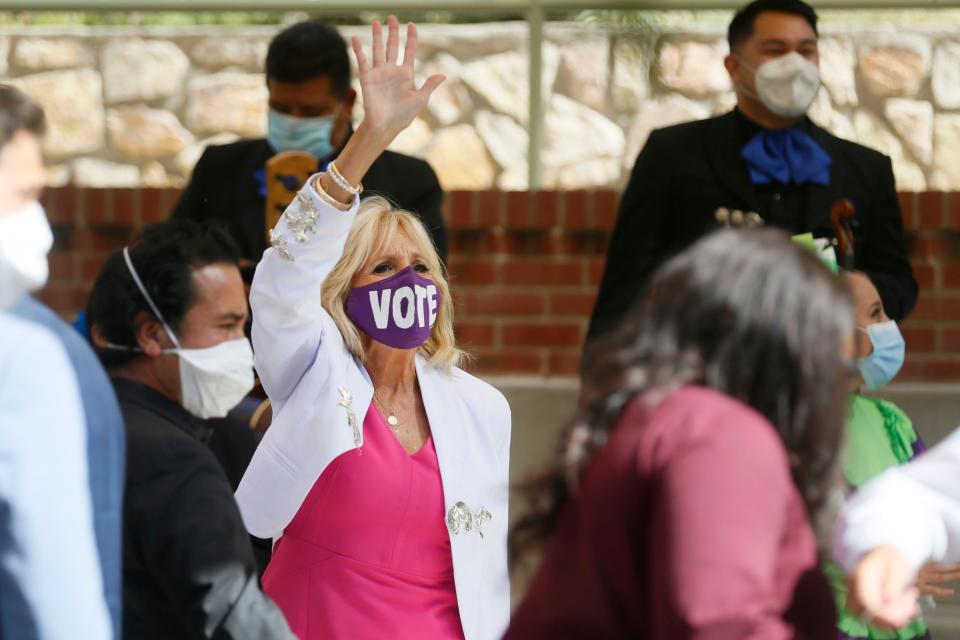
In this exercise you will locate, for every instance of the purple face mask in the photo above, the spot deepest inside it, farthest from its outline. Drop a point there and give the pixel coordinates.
(398, 311)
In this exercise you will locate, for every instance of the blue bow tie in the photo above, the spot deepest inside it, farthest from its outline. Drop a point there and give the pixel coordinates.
(786, 156)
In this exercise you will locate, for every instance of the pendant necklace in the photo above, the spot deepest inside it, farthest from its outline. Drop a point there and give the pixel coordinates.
(392, 419)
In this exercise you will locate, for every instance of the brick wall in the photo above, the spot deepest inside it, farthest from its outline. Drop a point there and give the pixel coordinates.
(525, 267)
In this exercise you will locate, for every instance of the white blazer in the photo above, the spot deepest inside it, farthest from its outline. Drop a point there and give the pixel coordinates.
(320, 394)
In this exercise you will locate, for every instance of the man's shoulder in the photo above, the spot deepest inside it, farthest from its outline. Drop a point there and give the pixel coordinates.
(391, 163)
(234, 152)
(23, 337)
(36, 312)
(855, 151)
(691, 129)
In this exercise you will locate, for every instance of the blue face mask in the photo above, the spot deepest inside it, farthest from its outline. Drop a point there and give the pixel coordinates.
(290, 133)
(881, 366)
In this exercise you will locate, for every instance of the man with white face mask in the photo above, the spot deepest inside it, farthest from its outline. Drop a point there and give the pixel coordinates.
(765, 162)
(167, 317)
(50, 580)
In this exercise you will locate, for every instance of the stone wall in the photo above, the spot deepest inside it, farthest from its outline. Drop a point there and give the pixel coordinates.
(134, 106)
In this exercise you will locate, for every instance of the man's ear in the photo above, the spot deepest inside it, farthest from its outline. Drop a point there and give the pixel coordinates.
(150, 335)
(349, 101)
(732, 65)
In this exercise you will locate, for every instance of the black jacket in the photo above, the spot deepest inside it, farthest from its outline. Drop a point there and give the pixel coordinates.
(685, 172)
(225, 187)
(188, 570)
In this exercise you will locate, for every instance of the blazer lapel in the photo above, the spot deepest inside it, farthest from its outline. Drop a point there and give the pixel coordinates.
(447, 427)
(820, 199)
(451, 437)
(722, 145)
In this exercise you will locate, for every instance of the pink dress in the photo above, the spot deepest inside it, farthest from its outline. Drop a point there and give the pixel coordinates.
(368, 554)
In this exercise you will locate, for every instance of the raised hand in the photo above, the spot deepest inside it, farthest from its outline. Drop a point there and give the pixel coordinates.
(880, 591)
(391, 99)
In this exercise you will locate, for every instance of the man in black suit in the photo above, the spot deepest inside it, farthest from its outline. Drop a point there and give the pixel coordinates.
(311, 107)
(765, 157)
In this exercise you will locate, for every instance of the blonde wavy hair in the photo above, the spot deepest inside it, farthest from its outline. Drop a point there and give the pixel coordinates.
(376, 224)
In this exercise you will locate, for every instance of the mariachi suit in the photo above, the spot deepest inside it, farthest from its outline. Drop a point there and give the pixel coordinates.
(320, 394)
(686, 172)
(228, 185)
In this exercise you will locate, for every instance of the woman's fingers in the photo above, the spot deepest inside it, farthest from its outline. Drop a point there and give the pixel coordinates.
(430, 85)
(358, 52)
(930, 590)
(379, 53)
(393, 39)
(410, 51)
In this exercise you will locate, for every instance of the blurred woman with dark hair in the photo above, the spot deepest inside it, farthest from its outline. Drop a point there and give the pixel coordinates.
(707, 442)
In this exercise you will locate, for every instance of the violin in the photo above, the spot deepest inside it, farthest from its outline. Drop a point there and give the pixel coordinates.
(842, 216)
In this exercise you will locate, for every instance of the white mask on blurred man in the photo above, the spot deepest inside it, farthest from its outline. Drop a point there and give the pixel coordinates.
(25, 241)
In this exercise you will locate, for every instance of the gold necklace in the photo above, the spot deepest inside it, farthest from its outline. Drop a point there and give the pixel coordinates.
(392, 419)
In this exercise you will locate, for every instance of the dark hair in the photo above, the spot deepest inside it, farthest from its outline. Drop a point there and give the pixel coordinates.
(741, 27)
(164, 256)
(309, 50)
(18, 113)
(746, 313)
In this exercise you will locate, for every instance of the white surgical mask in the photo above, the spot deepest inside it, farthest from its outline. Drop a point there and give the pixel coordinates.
(213, 380)
(25, 241)
(786, 85)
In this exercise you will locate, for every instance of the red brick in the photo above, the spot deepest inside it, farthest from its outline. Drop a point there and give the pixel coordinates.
(62, 267)
(577, 303)
(564, 363)
(934, 245)
(542, 272)
(922, 338)
(930, 209)
(928, 369)
(61, 204)
(64, 299)
(471, 271)
(567, 243)
(96, 206)
(126, 206)
(510, 361)
(521, 243)
(547, 204)
(502, 302)
(153, 206)
(576, 210)
(462, 214)
(100, 238)
(605, 209)
(489, 208)
(517, 334)
(471, 333)
(925, 274)
(595, 270)
(953, 211)
(91, 265)
(520, 212)
(907, 201)
(950, 337)
(951, 275)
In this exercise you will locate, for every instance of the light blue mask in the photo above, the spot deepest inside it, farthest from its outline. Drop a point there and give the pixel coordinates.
(881, 366)
(290, 133)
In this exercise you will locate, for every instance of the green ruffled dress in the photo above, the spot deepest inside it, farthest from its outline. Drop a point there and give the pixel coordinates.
(878, 436)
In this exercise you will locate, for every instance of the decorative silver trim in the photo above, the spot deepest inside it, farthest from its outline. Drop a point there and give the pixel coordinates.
(346, 401)
(460, 515)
